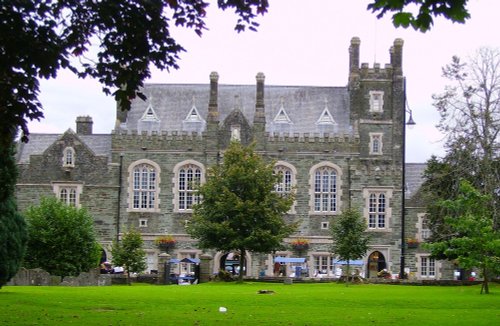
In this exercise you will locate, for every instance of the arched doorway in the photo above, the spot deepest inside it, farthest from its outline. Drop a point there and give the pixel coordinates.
(104, 256)
(230, 262)
(376, 263)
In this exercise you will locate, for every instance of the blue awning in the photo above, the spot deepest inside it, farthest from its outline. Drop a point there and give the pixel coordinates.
(174, 261)
(289, 260)
(351, 262)
(190, 260)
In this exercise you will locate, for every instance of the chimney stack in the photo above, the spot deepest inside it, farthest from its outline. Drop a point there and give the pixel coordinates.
(84, 125)
(213, 111)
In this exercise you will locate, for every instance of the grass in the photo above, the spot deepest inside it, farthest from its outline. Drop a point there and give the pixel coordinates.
(297, 304)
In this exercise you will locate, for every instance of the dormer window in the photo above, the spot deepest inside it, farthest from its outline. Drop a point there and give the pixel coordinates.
(377, 101)
(236, 133)
(149, 114)
(69, 157)
(376, 143)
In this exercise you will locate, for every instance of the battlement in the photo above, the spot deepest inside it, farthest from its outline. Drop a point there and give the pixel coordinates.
(312, 138)
(364, 71)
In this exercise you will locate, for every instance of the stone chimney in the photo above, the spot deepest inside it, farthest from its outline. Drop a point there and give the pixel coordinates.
(213, 110)
(260, 114)
(84, 125)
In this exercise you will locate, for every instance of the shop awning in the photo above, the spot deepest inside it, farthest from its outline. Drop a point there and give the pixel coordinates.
(351, 262)
(190, 260)
(289, 260)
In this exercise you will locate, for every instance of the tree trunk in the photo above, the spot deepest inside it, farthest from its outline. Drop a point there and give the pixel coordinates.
(485, 286)
(242, 261)
(348, 272)
(128, 278)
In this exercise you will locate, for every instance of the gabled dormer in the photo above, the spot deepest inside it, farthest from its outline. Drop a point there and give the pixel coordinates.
(326, 124)
(193, 122)
(149, 121)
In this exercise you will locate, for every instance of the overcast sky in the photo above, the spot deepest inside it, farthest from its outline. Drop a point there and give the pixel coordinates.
(298, 43)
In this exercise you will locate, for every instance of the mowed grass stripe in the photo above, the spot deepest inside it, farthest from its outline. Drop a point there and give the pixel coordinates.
(297, 304)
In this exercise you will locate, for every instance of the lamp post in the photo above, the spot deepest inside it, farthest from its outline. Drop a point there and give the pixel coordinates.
(409, 123)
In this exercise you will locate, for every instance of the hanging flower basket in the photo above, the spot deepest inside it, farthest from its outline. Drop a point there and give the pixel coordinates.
(165, 242)
(412, 243)
(300, 244)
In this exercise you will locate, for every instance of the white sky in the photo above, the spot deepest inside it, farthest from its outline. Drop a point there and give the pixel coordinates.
(298, 43)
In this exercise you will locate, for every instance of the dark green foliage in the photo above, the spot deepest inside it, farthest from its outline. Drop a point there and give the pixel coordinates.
(61, 239)
(240, 209)
(129, 253)
(454, 10)
(350, 240)
(13, 234)
(469, 111)
(37, 38)
(474, 242)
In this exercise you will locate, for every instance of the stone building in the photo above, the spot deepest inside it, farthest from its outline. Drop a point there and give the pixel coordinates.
(336, 146)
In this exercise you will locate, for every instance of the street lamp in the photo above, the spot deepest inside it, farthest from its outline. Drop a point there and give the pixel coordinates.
(410, 123)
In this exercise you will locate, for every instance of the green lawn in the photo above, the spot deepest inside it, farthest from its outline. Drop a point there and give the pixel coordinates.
(296, 304)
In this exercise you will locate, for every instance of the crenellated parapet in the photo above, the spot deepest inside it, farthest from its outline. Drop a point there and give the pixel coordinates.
(311, 138)
(158, 140)
(366, 72)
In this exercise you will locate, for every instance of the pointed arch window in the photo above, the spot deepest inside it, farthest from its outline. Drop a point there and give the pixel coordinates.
(376, 143)
(144, 186)
(189, 175)
(325, 191)
(69, 157)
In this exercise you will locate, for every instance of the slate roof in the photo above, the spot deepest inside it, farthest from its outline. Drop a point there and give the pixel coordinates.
(100, 144)
(304, 106)
(414, 178)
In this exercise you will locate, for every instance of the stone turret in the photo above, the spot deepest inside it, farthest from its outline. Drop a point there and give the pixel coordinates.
(396, 53)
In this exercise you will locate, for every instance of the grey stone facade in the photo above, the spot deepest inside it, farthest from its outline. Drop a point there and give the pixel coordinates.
(355, 131)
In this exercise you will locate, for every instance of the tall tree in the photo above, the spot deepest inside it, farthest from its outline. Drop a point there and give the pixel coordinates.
(61, 239)
(350, 240)
(129, 253)
(13, 234)
(40, 37)
(470, 117)
(474, 242)
(420, 14)
(240, 209)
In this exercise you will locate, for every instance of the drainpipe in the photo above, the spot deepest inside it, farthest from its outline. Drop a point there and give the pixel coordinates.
(118, 211)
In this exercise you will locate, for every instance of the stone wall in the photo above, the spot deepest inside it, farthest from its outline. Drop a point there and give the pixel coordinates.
(39, 277)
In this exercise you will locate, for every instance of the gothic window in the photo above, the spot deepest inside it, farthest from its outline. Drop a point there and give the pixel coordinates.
(377, 209)
(236, 133)
(188, 175)
(375, 143)
(68, 193)
(284, 185)
(325, 188)
(423, 227)
(376, 101)
(143, 186)
(286, 182)
(69, 157)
